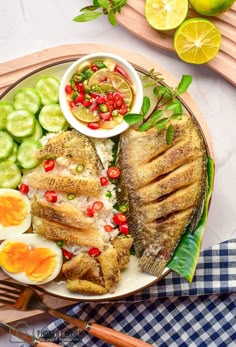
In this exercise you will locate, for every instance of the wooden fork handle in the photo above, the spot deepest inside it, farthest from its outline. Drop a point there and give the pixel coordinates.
(109, 335)
(47, 344)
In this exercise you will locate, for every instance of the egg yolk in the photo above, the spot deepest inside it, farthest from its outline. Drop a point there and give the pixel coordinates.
(13, 256)
(41, 264)
(37, 263)
(12, 210)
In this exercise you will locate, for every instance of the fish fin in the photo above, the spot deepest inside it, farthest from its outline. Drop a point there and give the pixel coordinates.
(152, 266)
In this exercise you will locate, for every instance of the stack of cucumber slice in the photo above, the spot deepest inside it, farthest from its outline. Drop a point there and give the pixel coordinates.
(33, 112)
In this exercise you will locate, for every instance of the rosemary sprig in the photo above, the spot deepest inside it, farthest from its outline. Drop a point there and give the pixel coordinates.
(108, 8)
(167, 108)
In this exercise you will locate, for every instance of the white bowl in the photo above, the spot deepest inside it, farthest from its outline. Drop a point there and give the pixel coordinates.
(80, 126)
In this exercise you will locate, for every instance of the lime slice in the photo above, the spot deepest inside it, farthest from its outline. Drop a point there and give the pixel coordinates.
(197, 41)
(106, 87)
(123, 87)
(99, 76)
(211, 7)
(166, 14)
(84, 114)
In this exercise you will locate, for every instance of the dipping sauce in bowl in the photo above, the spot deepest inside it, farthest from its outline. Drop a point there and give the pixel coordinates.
(97, 91)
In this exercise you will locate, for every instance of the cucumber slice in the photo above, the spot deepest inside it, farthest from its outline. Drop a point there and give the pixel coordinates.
(48, 89)
(5, 110)
(52, 119)
(13, 155)
(6, 145)
(10, 175)
(27, 99)
(26, 154)
(37, 134)
(21, 123)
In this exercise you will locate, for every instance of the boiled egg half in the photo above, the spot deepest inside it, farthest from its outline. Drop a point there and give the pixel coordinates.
(30, 259)
(15, 217)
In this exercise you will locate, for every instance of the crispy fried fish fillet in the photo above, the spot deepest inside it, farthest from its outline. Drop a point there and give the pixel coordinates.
(69, 184)
(165, 186)
(122, 245)
(110, 268)
(85, 287)
(60, 213)
(89, 237)
(78, 266)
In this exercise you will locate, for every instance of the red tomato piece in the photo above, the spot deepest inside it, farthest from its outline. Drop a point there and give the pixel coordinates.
(119, 218)
(49, 165)
(97, 206)
(94, 67)
(79, 99)
(68, 89)
(124, 109)
(104, 181)
(110, 105)
(89, 212)
(108, 228)
(87, 103)
(113, 172)
(121, 71)
(118, 100)
(101, 100)
(94, 252)
(124, 228)
(71, 104)
(80, 87)
(93, 126)
(66, 254)
(51, 196)
(105, 115)
(110, 96)
(24, 189)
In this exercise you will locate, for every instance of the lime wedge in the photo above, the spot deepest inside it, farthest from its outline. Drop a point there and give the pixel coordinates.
(197, 41)
(122, 86)
(84, 114)
(166, 14)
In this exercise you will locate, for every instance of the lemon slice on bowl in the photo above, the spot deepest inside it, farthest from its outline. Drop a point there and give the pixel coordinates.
(84, 114)
(197, 41)
(166, 14)
(123, 87)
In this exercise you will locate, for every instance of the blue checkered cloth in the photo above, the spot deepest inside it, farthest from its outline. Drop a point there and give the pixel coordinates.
(171, 313)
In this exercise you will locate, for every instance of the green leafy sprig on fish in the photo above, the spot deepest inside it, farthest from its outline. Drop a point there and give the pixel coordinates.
(167, 108)
(108, 8)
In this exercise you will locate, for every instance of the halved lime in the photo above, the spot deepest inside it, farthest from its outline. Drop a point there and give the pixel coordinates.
(166, 14)
(197, 41)
(122, 86)
(211, 7)
(84, 114)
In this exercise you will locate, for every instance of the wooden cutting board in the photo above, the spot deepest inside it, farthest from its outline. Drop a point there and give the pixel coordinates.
(133, 19)
(12, 71)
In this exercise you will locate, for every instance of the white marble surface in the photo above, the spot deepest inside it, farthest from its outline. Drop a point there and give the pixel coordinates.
(27, 26)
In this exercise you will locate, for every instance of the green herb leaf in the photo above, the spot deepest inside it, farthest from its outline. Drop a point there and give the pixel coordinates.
(161, 124)
(185, 82)
(104, 3)
(100, 64)
(112, 18)
(170, 134)
(174, 106)
(145, 126)
(146, 105)
(177, 116)
(89, 8)
(95, 3)
(87, 16)
(133, 118)
(155, 116)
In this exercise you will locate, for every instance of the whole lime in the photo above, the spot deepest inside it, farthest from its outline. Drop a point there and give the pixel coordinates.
(211, 7)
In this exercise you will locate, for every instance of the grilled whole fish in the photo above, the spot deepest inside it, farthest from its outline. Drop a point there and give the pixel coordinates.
(165, 186)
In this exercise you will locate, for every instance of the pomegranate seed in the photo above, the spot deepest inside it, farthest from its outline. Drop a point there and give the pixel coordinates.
(94, 252)
(108, 228)
(87, 103)
(24, 189)
(51, 196)
(89, 212)
(124, 228)
(68, 89)
(67, 255)
(104, 181)
(93, 126)
(80, 87)
(119, 218)
(97, 206)
(79, 99)
(49, 165)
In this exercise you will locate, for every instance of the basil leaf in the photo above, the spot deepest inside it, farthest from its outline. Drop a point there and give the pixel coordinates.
(112, 18)
(170, 134)
(104, 3)
(133, 118)
(145, 126)
(161, 124)
(89, 8)
(87, 16)
(156, 115)
(185, 82)
(146, 105)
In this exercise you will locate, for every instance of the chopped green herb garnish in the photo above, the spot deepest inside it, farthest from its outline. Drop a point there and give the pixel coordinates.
(71, 196)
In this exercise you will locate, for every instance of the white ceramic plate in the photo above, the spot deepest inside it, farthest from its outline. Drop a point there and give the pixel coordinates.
(132, 279)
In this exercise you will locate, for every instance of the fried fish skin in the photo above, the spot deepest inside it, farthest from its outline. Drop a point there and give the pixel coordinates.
(165, 185)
